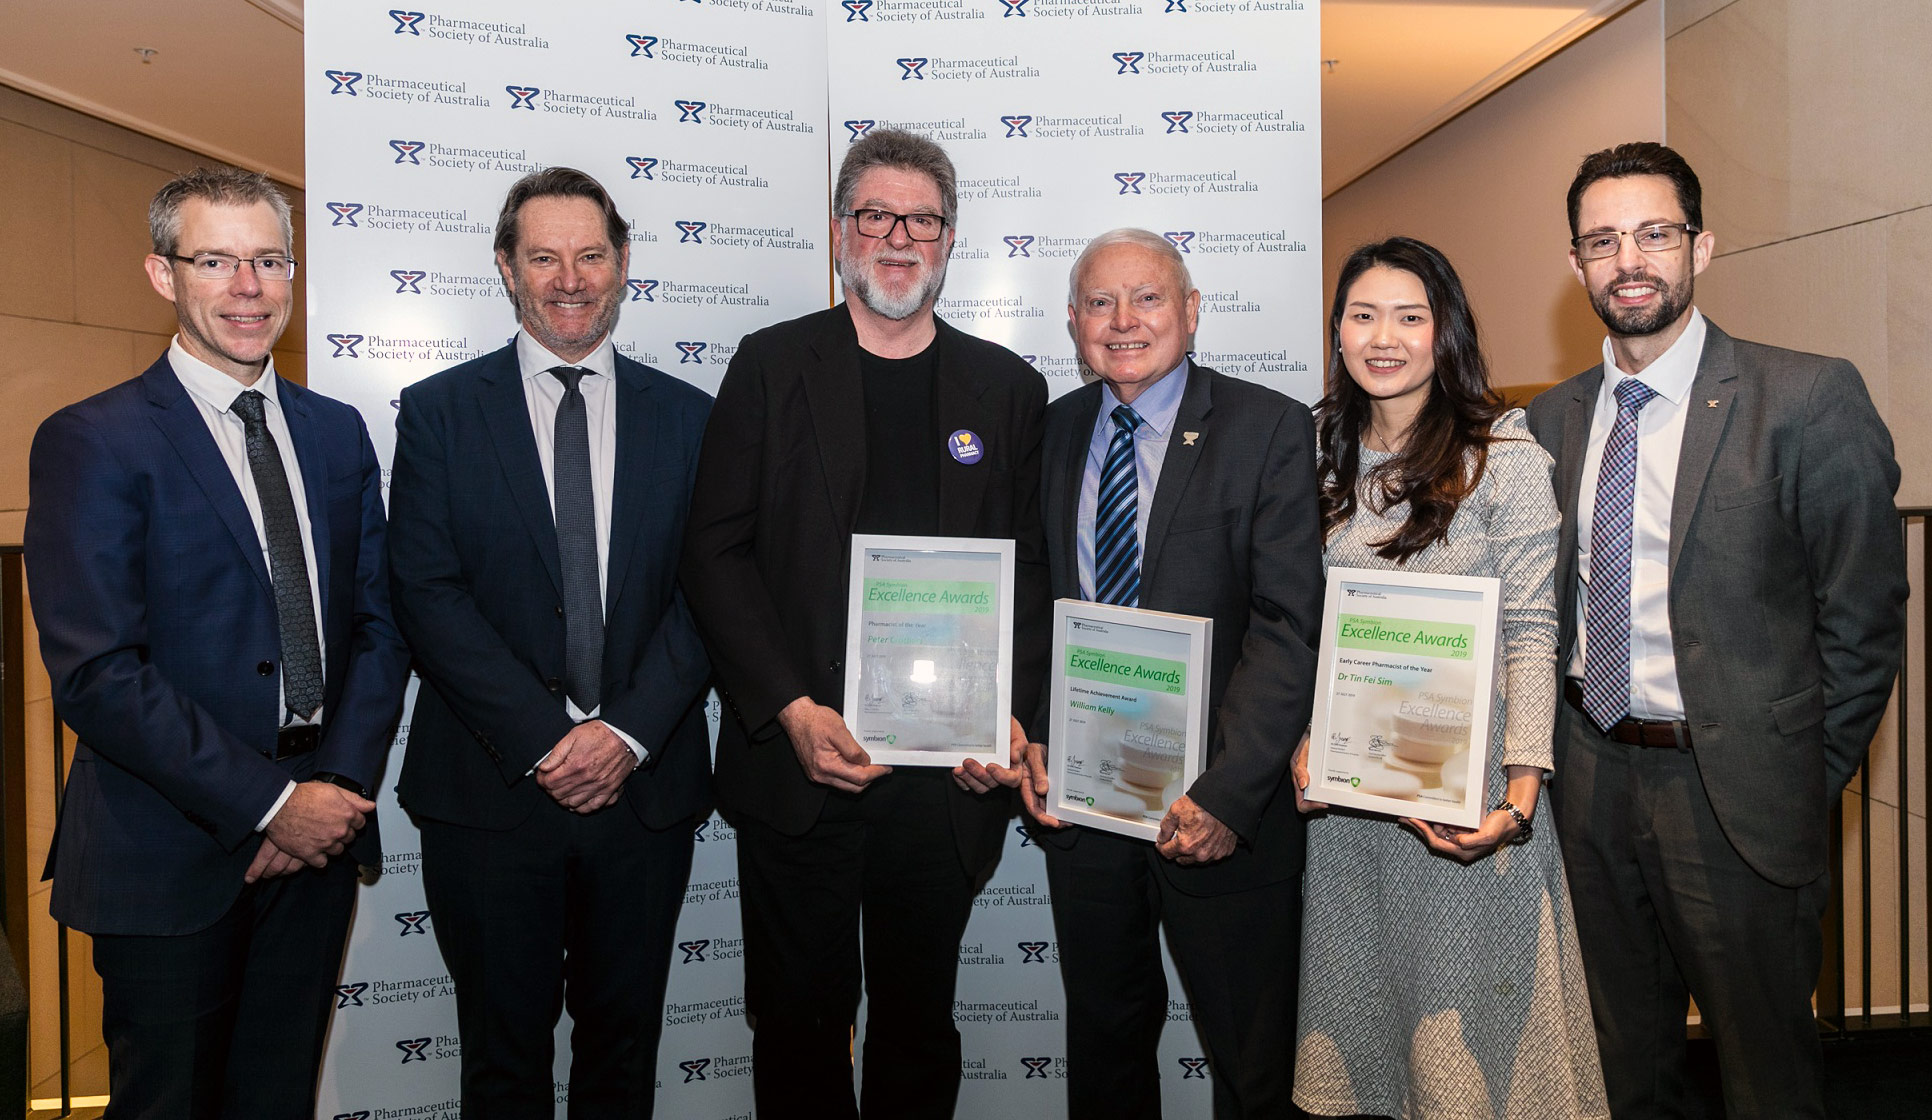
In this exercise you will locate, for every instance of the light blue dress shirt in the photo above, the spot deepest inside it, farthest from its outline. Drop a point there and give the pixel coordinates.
(1158, 405)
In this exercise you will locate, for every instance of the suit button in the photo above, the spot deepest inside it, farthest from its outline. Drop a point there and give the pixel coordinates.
(266, 668)
(559, 612)
(553, 684)
(835, 665)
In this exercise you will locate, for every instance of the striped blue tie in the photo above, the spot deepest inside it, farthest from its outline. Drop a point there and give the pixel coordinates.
(1116, 529)
(1606, 602)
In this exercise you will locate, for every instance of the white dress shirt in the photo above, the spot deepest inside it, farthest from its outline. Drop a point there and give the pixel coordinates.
(214, 394)
(1654, 693)
(1157, 405)
(543, 392)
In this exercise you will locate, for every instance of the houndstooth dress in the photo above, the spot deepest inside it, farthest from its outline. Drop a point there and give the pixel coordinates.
(1431, 988)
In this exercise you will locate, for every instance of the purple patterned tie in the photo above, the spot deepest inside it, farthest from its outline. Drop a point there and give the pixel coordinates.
(1606, 604)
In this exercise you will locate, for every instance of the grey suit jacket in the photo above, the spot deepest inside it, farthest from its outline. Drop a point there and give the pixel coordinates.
(1787, 584)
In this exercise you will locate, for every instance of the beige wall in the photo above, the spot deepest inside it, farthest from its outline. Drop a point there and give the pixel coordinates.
(1810, 124)
(1487, 189)
(76, 311)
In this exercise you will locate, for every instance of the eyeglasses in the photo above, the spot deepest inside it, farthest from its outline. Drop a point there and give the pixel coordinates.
(1651, 239)
(220, 266)
(879, 223)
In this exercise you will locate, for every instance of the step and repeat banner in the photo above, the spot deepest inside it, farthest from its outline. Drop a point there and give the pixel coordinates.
(716, 125)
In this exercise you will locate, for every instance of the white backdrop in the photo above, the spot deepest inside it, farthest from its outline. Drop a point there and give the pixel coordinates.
(714, 124)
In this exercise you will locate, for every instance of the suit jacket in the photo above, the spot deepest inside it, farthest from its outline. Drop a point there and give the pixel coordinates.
(479, 595)
(771, 528)
(1234, 535)
(1787, 584)
(158, 629)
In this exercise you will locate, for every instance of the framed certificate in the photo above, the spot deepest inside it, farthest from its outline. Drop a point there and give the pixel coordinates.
(1128, 725)
(1403, 697)
(929, 649)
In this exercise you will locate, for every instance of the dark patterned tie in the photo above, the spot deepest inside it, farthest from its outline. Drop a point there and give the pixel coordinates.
(576, 513)
(1116, 522)
(288, 565)
(1606, 602)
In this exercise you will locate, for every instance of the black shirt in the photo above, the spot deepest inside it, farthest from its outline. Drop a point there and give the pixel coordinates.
(902, 444)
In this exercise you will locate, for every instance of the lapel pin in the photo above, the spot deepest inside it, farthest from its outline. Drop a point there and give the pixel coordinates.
(1710, 404)
(1188, 438)
(965, 446)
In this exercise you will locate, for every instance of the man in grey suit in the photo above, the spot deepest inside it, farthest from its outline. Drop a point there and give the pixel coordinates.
(1732, 585)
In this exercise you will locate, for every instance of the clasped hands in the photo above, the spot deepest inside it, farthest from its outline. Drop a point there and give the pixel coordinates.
(1466, 845)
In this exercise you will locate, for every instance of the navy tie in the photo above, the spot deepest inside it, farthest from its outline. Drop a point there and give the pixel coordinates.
(1116, 523)
(576, 514)
(288, 564)
(1606, 603)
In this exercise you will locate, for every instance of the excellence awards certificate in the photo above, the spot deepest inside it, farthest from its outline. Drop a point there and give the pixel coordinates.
(929, 649)
(1403, 694)
(1129, 717)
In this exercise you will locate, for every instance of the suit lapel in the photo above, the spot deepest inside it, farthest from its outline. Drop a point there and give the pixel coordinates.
(1177, 465)
(1065, 469)
(1575, 445)
(507, 417)
(1703, 426)
(180, 421)
(957, 407)
(307, 437)
(836, 398)
(637, 436)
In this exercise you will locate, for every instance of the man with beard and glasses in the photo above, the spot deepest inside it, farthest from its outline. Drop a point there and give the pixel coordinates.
(557, 756)
(1731, 584)
(846, 421)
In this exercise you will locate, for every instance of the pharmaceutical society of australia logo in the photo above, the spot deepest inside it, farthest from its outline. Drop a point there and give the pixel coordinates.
(459, 157)
(1032, 246)
(371, 215)
(997, 186)
(710, 950)
(938, 128)
(401, 990)
(1068, 9)
(1182, 62)
(383, 87)
(691, 52)
(908, 11)
(703, 1011)
(392, 347)
(1030, 127)
(431, 25)
(577, 103)
(696, 174)
(692, 231)
(1167, 182)
(748, 117)
(716, 295)
(1206, 122)
(720, 1068)
(948, 68)
(434, 282)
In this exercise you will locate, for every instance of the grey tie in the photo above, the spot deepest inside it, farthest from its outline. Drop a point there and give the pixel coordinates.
(576, 514)
(288, 564)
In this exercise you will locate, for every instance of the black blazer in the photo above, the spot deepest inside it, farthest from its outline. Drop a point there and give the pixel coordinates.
(478, 593)
(158, 627)
(1787, 584)
(765, 562)
(1234, 535)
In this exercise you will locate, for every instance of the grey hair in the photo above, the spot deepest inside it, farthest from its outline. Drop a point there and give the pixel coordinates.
(217, 186)
(1128, 235)
(897, 148)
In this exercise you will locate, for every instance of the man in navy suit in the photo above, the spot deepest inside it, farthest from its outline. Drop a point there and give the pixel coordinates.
(205, 545)
(538, 510)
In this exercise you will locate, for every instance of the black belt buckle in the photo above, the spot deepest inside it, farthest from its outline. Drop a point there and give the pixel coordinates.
(301, 739)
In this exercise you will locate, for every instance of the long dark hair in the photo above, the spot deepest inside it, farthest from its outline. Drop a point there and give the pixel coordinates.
(1443, 458)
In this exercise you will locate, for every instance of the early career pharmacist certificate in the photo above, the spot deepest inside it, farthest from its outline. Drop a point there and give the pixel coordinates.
(1130, 714)
(1403, 714)
(929, 649)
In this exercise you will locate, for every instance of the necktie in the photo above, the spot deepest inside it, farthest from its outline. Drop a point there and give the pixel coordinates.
(1606, 604)
(1116, 529)
(288, 565)
(576, 514)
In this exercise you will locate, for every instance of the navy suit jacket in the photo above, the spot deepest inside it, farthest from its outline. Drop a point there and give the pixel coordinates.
(158, 629)
(479, 594)
(1234, 534)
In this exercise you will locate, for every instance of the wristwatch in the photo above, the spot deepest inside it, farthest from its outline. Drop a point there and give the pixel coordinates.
(361, 790)
(1524, 831)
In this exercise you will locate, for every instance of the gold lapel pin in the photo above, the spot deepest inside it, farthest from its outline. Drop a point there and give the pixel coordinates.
(1710, 404)
(1188, 438)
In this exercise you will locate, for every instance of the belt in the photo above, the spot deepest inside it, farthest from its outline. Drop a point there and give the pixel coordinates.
(299, 739)
(1632, 731)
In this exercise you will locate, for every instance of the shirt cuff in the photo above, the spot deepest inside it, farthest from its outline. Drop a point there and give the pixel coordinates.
(287, 791)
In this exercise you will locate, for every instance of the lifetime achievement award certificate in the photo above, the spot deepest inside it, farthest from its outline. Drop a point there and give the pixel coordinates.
(1403, 697)
(1129, 717)
(929, 649)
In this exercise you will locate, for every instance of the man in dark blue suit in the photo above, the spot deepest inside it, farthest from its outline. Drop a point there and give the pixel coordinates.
(538, 505)
(205, 545)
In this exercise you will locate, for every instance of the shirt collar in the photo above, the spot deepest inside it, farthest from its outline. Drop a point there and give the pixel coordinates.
(1157, 405)
(534, 360)
(214, 388)
(1670, 376)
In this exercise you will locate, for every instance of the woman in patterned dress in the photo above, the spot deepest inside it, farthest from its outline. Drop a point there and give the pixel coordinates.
(1440, 975)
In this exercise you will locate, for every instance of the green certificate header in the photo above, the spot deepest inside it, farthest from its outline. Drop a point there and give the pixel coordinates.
(930, 596)
(1450, 640)
(1156, 673)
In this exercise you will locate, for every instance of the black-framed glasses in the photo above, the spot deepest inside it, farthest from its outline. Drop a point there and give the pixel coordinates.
(1660, 238)
(220, 266)
(879, 223)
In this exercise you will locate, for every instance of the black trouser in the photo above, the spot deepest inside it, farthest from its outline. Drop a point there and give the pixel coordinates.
(565, 910)
(227, 1022)
(885, 861)
(1238, 956)
(1667, 910)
